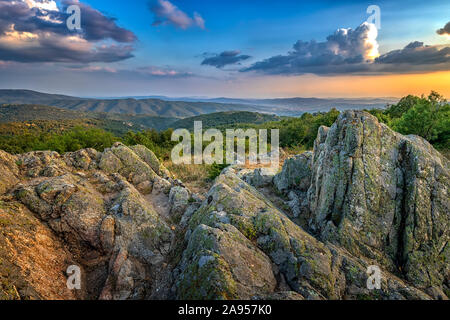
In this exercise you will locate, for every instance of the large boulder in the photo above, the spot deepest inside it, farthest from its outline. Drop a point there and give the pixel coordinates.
(221, 263)
(33, 262)
(378, 194)
(109, 225)
(42, 164)
(70, 208)
(139, 240)
(123, 160)
(235, 213)
(83, 159)
(178, 200)
(296, 173)
(9, 171)
(384, 196)
(150, 158)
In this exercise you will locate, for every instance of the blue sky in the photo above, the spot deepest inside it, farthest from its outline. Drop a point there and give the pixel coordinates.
(267, 27)
(255, 37)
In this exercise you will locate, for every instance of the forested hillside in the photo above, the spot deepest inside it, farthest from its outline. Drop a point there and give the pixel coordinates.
(221, 119)
(152, 107)
(426, 116)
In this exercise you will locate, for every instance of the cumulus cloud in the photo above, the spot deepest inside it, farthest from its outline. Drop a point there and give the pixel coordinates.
(416, 53)
(354, 51)
(167, 13)
(444, 30)
(225, 58)
(36, 31)
(345, 49)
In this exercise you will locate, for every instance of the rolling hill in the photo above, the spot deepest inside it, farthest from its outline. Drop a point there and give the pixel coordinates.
(229, 118)
(152, 107)
(189, 107)
(116, 123)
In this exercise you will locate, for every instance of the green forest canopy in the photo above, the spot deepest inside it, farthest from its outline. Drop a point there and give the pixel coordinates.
(426, 116)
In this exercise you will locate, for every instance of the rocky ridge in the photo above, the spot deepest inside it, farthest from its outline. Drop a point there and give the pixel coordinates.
(365, 196)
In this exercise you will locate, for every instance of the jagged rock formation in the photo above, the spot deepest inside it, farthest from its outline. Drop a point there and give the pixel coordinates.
(91, 205)
(380, 195)
(365, 196)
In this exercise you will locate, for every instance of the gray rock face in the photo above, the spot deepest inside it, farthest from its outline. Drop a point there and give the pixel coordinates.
(179, 200)
(149, 157)
(9, 171)
(123, 160)
(140, 243)
(296, 173)
(220, 263)
(101, 215)
(366, 196)
(380, 195)
(261, 177)
(300, 263)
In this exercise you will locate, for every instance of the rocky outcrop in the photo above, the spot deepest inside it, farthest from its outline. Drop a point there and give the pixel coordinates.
(89, 202)
(261, 177)
(179, 200)
(32, 257)
(365, 197)
(236, 214)
(296, 173)
(380, 195)
(9, 171)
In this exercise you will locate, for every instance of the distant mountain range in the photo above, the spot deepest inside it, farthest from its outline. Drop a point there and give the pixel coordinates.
(153, 107)
(117, 123)
(188, 107)
(120, 124)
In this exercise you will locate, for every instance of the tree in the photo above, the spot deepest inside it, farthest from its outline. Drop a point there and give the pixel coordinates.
(428, 117)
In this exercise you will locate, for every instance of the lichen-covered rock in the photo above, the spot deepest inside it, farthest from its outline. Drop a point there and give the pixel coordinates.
(83, 159)
(296, 173)
(141, 242)
(179, 200)
(384, 196)
(312, 269)
(261, 177)
(220, 263)
(116, 235)
(122, 159)
(304, 262)
(68, 207)
(9, 171)
(33, 260)
(107, 233)
(42, 164)
(150, 158)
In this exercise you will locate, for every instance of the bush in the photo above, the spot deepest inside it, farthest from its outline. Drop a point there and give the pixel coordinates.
(71, 140)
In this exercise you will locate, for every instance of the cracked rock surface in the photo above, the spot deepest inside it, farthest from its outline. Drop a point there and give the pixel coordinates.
(365, 196)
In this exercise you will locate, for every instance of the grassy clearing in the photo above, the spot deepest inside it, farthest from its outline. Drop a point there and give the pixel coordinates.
(195, 177)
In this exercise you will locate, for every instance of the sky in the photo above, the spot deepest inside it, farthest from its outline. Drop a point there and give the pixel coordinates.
(212, 48)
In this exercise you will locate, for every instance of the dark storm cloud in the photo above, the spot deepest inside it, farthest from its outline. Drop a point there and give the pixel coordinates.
(444, 30)
(225, 58)
(52, 41)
